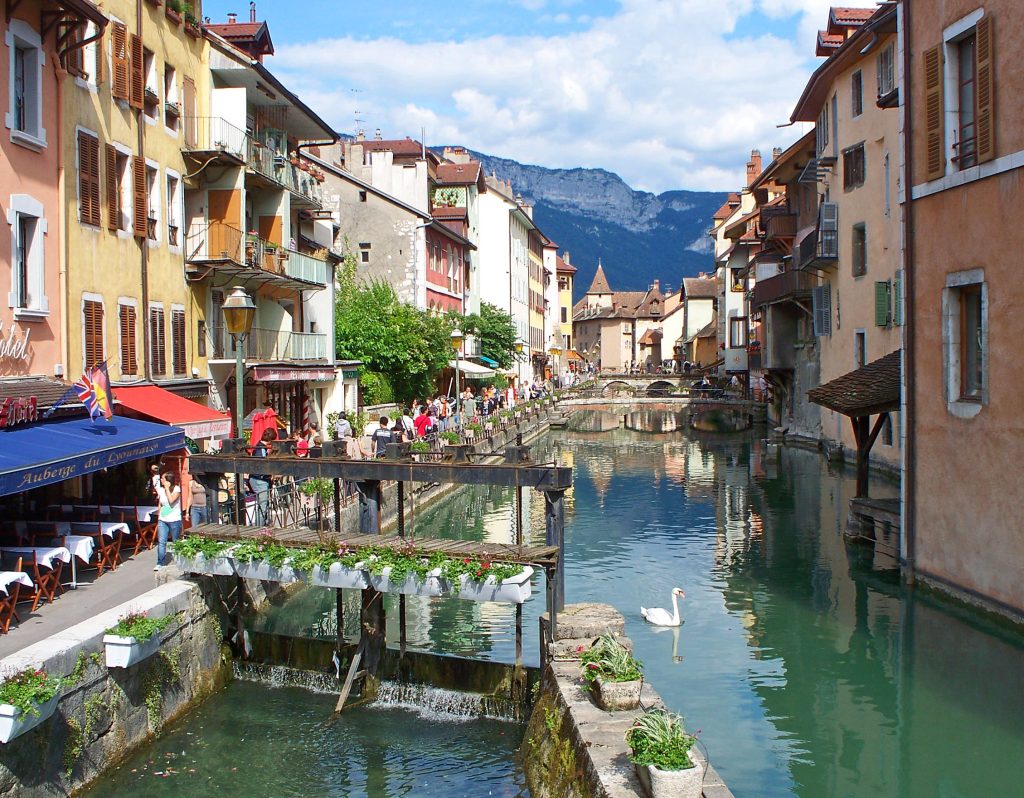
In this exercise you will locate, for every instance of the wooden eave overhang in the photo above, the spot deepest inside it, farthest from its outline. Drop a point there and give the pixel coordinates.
(867, 391)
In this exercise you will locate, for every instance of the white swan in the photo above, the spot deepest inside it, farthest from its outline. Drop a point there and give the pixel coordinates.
(659, 616)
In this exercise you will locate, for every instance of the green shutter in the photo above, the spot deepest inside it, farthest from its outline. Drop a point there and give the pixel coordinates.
(897, 299)
(882, 291)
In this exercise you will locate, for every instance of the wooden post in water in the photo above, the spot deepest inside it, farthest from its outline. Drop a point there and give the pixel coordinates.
(337, 506)
(554, 527)
(369, 507)
(339, 614)
(372, 635)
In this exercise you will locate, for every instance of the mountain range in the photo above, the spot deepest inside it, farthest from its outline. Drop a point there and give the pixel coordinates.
(637, 236)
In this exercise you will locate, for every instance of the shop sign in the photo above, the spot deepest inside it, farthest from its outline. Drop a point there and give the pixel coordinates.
(13, 347)
(23, 410)
(270, 374)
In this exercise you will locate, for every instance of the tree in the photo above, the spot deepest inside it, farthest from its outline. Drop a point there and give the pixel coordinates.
(496, 331)
(403, 347)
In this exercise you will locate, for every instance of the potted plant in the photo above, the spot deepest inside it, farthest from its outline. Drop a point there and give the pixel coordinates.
(614, 675)
(173, 9)
(419, 450)
(450, 436)
(483, 580)
(471, 429)
(27, 698)
(662, 753)
(330, 566)
(263, 558)
(403, 570)
(134, 637)
(196, 555)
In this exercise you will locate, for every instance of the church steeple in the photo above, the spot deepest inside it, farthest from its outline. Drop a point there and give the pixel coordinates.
(600, 283)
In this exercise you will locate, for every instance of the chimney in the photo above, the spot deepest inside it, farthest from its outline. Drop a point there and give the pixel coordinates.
(776, 153)
(252, 10)
(360, 136)
(565, 258)
(656, 285)
(232, 18)
(377, 136)
(753, 166)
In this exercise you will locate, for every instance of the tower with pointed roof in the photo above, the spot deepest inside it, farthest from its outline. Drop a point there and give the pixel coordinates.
(599, 295)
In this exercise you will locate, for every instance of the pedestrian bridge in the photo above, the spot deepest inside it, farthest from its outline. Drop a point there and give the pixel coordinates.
(699, 410)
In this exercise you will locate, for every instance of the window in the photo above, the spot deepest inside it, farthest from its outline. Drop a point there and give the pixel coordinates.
(87, 60)
(27, 294)
(126, 317)
(883, 303)
(565, 315)
(88, 179)
(201, 338)
(886, 70)
(967, 79)
(738, 332)
(853, 167)
(172, 108)
(821, 309)
(24, 117)
(857, 93)
(178, 359)
(887, 436)
(965, 341)
(173, 205)
(92, 332)
(821, 131)
(116, 188)
(859, 253)
(152, 203)
(364, 254)
(860, 349)
(119, 61)
(736, 283)
(362, 196)
(157, 341)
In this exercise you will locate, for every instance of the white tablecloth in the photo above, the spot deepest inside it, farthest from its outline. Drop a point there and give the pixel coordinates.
(110, 528)
(143, 512)
(45, 555)
(7, 578)
(82, 546)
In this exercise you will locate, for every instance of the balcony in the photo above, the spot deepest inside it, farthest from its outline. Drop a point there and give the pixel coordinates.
(305, 267)
(819, 249)
(275, 170)
(210, 137)
(269, 345)
(247, 256)
(779, 226)
(783, 287)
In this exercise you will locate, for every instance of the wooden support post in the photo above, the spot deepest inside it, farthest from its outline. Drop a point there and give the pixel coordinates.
(339, 614)
(369, 507)
(353, 673)
(209, 481)
(554, 526)
(239, 501)
(401, 623)
(337, 505)
(519, 636)
(549, 578)
(401, 509)
(517, 521)
(372, 629)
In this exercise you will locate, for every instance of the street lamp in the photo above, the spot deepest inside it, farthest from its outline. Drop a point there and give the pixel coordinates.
(519, 345)
(457, 339)
(555, 350)
(239, 311)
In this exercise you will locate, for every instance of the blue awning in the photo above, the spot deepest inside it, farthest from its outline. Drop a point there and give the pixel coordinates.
(492, 363)
(48, 452)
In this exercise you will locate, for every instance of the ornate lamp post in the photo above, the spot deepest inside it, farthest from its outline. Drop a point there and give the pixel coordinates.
(239, 311)
(555, 351)
(457, 339)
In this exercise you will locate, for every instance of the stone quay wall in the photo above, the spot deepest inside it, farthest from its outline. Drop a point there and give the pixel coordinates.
(104, 714)
(571, 748)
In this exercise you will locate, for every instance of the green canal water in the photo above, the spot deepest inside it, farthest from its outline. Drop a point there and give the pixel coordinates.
(808, 669)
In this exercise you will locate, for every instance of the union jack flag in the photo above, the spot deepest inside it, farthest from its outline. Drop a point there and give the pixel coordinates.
(94, 392)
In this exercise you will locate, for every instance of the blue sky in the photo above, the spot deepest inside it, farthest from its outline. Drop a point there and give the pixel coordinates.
(667, 93)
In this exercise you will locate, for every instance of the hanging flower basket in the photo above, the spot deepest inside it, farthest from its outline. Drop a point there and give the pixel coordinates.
(515, 589)
(338, 575)
(412, 585)
(123, 652)
(265, 572)
(14, 722)
(201, 564)
(29, 697)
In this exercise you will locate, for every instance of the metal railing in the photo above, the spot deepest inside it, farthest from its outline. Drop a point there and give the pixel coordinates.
(213, 241)
(275, 166)
(266, 344)
(214, 134)
(787, 285)
(305, 267)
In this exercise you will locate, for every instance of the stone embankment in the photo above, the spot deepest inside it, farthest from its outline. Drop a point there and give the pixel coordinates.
(571, 748)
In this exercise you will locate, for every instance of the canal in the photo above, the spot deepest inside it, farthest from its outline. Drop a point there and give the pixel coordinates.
(807, 667)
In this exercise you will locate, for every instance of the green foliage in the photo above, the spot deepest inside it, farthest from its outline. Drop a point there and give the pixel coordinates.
(404, 347)
(478, 570)
(610, 660)
(191, 546)
(140, 626)
(332, 419)
(450, 436)
(321, 487)
(497, 333)
(263, 547)
(81, 666)
(403, 562)
(27, 689)
(657, 738)
(163, 671)
(419, 447)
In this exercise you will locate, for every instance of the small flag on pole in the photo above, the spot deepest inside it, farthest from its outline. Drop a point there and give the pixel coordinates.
(94, 392)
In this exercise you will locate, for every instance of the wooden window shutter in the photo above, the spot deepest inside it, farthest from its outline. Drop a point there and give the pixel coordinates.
(883, 289)
(119, 61)
(157, 342)
(88, 179)
(138, 74)
(178, 341)
(986, 132)
(129, 361)
(98, 67)
(92, 312)
(140, 222)
(897, 299)
(935, 140)
(113, 189)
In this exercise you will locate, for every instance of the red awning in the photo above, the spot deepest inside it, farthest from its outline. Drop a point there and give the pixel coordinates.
(156, 403)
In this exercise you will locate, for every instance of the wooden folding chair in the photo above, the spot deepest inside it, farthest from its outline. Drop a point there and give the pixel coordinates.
(8, 603)
(146, 535)
(46, 580)
(41, 533)
(107, 549)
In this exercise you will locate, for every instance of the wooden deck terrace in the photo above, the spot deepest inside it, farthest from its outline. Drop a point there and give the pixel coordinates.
(541, 556)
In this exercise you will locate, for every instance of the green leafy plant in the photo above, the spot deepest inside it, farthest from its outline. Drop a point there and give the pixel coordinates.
(176, 6)
(139, 625)
(319, 487)
(475, 426)
(477, 570)
(192, 546)
(262, 547)
(450, 436)
(419, 447)
(610, 660)
(27, 689)
(403, 562)
(657, 738)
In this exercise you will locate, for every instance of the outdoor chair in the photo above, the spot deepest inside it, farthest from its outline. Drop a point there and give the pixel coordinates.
(46, 580)
(145, 534)
(107, 549)
(8, 604)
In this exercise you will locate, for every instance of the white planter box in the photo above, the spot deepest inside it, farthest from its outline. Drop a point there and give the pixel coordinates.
(411, 586)
(265, 572)
(14, 723)
(214, 566)
(516, 589)
(338, 576)
(658, 783)
(123, 652)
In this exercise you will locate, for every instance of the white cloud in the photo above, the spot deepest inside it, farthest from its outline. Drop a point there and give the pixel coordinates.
(658, 92)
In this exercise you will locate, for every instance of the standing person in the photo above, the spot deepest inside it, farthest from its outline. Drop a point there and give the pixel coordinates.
(443, 417)
(197, 502)
(342, 427)
(510, 396)
(381, 437)
(422, 422)
(468, 406)
(408, 425)
(154, 480)
(169, 524)
(260, 483)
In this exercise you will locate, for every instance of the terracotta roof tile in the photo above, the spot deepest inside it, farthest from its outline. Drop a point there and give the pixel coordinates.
(406, 146)
(850, 16)
(871, 389)
(600, 283)
(564, 268)
(700, 287)
(46, 390)
(458, 174)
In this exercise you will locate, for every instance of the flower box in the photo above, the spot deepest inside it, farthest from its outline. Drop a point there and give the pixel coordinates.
(123, 652)
(338, 575)
(265, 572)
(658, 783)
(13, 722)
(411, 586)
(516, 589)
(609, 695)
(173, 15)
(200, 564)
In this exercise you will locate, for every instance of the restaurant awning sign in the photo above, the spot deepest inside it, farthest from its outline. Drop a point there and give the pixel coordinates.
(285, 374)
(12, 346)
(22, 410)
